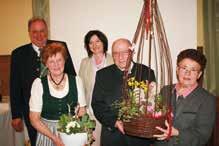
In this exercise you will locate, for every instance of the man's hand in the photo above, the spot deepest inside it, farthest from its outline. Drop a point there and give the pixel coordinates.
(17, 124)
(119, 126)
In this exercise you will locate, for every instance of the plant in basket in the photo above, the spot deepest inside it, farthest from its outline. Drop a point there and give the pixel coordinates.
(76, 130)
(142, 99)
(143, 105)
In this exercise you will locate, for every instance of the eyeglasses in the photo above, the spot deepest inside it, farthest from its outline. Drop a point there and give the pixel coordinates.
(122, 53)
(191, 70)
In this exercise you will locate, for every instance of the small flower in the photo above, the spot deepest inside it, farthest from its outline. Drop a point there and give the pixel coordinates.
(150, 108)
(72, 124)
(131, 82)
(67, 129)
(77, 125)
(136, 83)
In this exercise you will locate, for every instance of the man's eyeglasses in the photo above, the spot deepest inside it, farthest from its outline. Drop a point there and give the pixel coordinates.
(122, 53)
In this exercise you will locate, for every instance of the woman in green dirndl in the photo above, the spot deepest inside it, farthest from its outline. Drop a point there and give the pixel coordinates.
(55, 94)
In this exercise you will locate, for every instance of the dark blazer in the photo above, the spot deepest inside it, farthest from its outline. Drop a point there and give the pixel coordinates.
(108, 89)
(25, 67)
(194, 118)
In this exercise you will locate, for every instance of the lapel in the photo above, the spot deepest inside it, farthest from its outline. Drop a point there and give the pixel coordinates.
(90, 69)
(89, 73)
(176, 110)
(188, 102)
(31, 61)
(180, 107)
(35, 63)
(173, 100)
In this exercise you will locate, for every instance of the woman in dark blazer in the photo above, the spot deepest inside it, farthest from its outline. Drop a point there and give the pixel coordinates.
(193, 107)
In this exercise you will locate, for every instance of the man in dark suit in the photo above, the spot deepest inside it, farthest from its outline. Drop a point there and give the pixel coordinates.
(108, 89)
(25, 67)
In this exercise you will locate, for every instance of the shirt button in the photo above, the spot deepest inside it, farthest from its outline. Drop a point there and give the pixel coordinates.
(37, 69)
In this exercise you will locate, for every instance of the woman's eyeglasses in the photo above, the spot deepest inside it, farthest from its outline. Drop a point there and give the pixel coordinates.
(191, 70)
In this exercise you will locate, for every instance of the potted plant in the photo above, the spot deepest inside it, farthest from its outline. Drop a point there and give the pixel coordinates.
(76, 131)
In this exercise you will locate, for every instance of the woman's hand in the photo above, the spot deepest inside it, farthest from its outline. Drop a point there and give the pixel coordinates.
(43, 128)
(81, 111)
(174, 132)
(57, 140)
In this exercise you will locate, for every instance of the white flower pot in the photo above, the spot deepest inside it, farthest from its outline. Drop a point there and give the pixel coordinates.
(78, 139)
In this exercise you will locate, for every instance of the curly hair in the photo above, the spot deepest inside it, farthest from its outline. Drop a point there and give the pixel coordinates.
(102, 38)
(52, 49)
(194, 55)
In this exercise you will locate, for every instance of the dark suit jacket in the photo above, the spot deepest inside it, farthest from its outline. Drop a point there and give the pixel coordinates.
(194, 118)
(108, 89)
(25, 67)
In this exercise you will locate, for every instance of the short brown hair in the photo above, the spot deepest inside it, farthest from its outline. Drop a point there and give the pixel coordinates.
(100, 36)
(194, 55)
(52, 49)
(34, 19)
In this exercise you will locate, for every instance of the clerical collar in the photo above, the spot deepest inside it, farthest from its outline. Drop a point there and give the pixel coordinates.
(130, 68)
(36, 49)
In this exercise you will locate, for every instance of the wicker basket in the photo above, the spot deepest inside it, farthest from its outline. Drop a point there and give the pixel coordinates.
(144, 126)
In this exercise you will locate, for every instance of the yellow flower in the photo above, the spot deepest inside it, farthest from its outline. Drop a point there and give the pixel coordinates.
(135, 84)
(130, 83)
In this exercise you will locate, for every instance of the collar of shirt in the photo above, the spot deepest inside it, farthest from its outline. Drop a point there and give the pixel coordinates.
(185, 92)
(36, 49)
(130, 68)
(99, 66)
(121, 72)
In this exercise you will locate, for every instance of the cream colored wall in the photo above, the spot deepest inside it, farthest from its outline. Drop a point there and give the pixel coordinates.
(71, 19)
(200, 29)
(14, 15)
